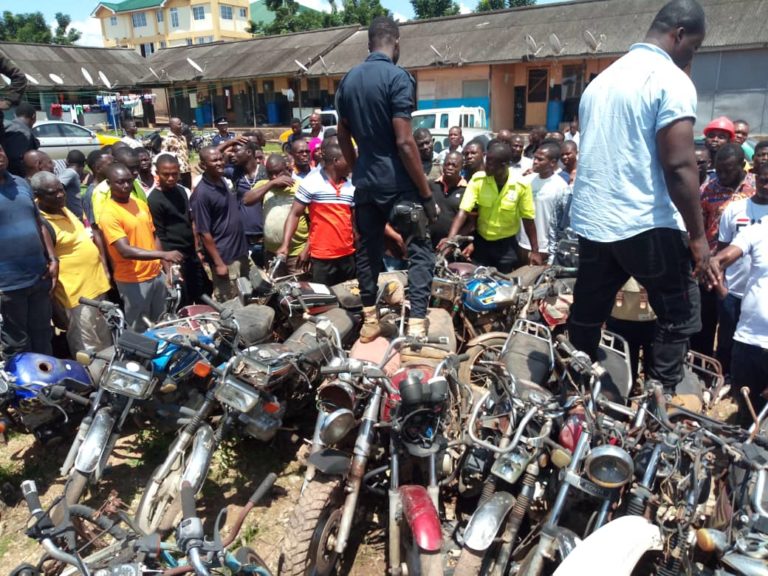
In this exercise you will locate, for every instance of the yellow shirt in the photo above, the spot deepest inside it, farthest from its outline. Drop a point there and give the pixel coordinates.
(499, 212)
(133, 222)
(101, 194)
(80, 271)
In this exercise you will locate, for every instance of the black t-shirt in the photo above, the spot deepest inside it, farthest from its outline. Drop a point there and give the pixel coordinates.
(171, 217)
(368, 98)
(449, 202)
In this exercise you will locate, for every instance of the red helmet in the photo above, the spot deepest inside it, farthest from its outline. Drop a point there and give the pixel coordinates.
(721, 123)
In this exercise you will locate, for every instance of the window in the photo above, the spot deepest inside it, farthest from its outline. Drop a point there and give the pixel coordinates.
(243, 12)
(537, 85)
(226, 12)
(204, 40)
(139, 20)
(162, 44)
(573, 81)
(474, 88)
(113, 20)
(189, 41)
(47, 131)
(444, 121)
(313, 87)
(159, 15)
(75, 131)
(198, 12)
(147, 49)
(424, 121)
(174, 17)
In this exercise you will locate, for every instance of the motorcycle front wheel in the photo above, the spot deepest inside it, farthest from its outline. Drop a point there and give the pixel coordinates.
(308, 548)
(488, 351)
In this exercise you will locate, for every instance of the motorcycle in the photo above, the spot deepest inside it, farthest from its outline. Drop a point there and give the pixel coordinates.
(119, 548)
(408, 415)
(256, 388)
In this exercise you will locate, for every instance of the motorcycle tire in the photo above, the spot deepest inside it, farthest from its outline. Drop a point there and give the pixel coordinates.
(488, 350)
(313, 521)
(160, 504)
(251, 563)
(74, 489)
(431, 564)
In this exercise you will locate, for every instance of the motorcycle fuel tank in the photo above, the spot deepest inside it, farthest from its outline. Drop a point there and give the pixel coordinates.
(489, 294)
(37, 371)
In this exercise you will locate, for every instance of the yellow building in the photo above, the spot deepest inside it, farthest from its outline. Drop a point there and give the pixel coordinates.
(148, 25)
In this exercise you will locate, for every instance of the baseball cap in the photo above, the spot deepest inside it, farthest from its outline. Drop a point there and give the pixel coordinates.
(222, 120)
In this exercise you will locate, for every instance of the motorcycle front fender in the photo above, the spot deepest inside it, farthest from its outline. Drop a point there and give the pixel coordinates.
(95, 442)
(487, 336)
(200, 458)
(422, 518)
(487, 521)
(613, 550)
(745, 565)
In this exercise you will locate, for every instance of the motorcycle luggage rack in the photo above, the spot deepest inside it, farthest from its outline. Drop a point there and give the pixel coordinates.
(138, 345)
(613, 355)
(709, 372)
(533, 362)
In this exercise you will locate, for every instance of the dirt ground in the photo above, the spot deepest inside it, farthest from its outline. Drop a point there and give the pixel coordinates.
(238, 468)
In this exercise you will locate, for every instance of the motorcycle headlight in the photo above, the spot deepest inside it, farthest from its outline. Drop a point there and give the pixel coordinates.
(129, 379)
(336, 394)
(336, 426)
(236, 395)
(609, 466)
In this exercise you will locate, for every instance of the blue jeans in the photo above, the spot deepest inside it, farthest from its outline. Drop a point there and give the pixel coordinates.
(27, 319)
(730, 311)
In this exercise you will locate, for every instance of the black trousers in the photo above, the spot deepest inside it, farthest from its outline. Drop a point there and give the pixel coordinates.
(749, 367)
(501, 254)
(334, 271)
(659, 260)
(196, 281)
(371, 219)
(27, 319)
(704, 341)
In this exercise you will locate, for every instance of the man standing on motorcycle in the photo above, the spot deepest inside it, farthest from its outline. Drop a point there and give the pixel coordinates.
(375, 100)
(503, 204)
(638, 214)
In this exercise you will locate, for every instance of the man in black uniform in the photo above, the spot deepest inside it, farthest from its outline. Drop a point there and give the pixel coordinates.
(374, 101)
(447, 192)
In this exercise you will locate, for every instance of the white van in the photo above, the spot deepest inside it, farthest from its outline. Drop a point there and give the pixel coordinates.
(439, 121)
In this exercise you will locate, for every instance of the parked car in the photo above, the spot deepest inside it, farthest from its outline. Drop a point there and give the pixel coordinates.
(58, 138)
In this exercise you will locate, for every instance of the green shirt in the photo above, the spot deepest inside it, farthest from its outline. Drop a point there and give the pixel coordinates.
(499, 212)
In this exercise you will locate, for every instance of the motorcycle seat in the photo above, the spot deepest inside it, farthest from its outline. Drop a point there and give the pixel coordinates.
(305, 334)
(255, 321)
(528, 358)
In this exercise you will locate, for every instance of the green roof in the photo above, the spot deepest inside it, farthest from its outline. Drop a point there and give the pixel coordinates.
(260, 12)
(130, 5)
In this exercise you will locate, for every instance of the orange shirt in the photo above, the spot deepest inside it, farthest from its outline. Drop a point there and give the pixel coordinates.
(133, 222)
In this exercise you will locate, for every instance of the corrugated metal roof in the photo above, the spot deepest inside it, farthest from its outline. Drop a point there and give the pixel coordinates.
(500, 36)
(128, 5)
(264, 56)
(121, 66)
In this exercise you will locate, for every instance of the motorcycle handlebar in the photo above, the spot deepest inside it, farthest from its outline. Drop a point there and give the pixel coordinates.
(565, 346)
(101, 305)
(564, 271)
(58, 392)
(264, 487)
(212, 303)
(31, 496)
(187, 501)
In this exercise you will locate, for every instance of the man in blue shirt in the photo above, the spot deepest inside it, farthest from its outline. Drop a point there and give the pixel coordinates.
(224, 135)
(635, 202)
(28, 268)
(374, 101)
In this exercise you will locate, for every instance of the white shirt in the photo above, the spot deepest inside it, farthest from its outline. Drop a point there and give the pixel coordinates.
(753, 323)
(519, 168)
(621, 191)
(737, 216)
(132, 142)
(546, 193)
(575, 138)
(447, 150)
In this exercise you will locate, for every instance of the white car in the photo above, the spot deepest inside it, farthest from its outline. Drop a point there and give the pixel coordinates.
(58, 138)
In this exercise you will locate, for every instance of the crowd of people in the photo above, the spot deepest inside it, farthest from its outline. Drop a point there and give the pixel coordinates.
(645, 205)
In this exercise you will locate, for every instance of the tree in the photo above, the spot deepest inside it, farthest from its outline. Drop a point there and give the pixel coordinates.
(434, 8)
(32, 27)
(486, 5)
(290, 18)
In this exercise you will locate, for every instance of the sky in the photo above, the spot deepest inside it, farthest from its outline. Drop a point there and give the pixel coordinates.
(80, 12)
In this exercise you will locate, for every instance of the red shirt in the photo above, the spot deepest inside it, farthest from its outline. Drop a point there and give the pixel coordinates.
(330, 215)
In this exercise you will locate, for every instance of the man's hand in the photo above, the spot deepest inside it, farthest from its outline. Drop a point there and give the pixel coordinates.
(468, 251)
(282, 252)
(431, 209)
(221, 270)
(442, 243)
(282, 181)
(5, 104)
(303, 259)
(173, 257)
(536, 259)
(700, 253)
(52, 273)
(401, 247)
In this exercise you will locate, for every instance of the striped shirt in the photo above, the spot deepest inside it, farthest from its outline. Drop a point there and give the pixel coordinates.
(330, 215)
